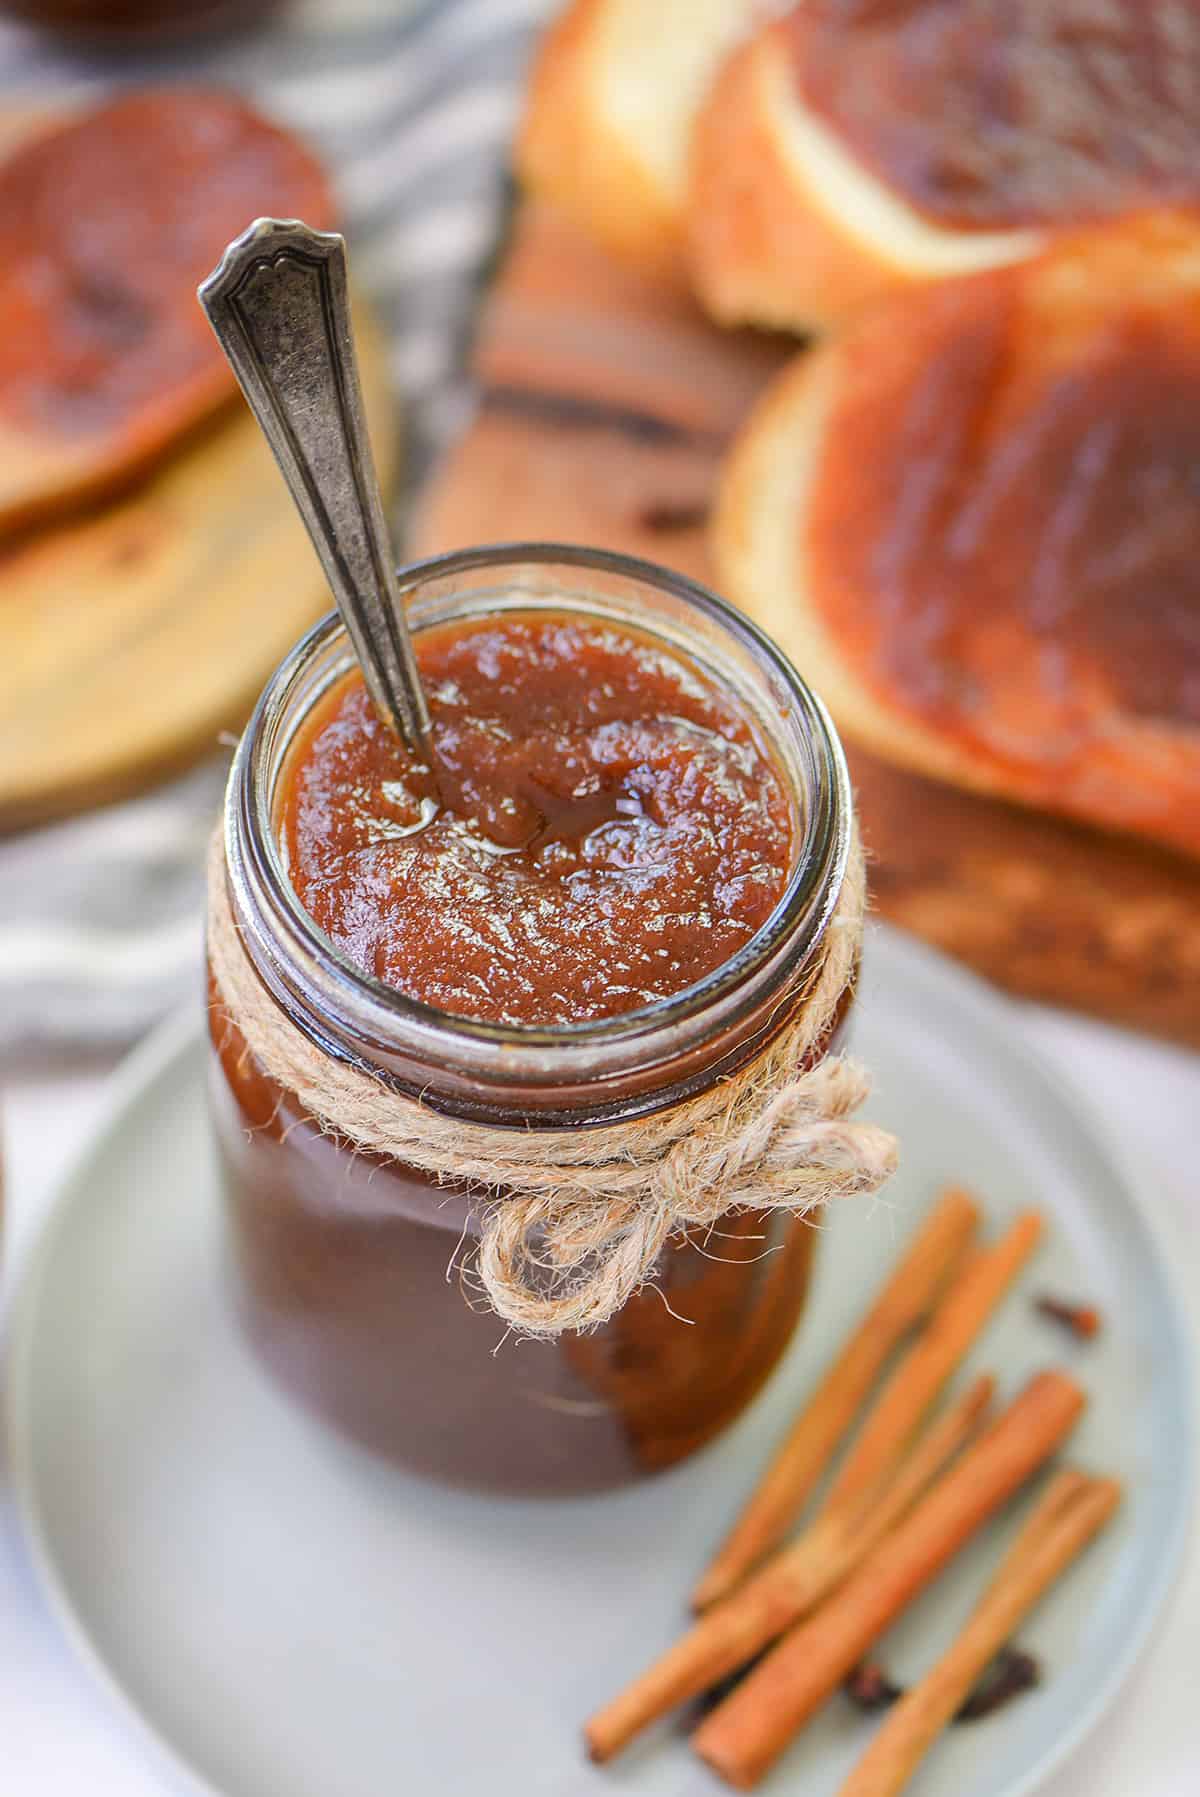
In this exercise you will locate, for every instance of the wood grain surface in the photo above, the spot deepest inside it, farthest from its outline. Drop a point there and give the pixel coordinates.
(606, 406)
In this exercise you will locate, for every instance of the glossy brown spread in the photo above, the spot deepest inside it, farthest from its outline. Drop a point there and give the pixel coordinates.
(1000, 113)
(601, 827)
(1017, 562)
(107, 224)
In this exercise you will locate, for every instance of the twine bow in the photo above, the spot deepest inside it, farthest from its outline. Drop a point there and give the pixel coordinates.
(573, 1221)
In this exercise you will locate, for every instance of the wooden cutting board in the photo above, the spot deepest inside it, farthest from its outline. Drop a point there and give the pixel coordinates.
(131, 635)
(606, 407)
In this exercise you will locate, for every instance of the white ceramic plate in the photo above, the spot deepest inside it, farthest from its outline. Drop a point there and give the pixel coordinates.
(290, 1619)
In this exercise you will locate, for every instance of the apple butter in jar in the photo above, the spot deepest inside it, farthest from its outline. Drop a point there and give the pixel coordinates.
(607, 888)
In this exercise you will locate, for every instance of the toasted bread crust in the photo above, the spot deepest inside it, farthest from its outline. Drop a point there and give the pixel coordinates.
(760, 551)
(567, 152)
(757, 545)
(767, 246)
(758, 250)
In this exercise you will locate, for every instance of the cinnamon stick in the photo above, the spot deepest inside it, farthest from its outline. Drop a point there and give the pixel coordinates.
(1071, 1512)
(732, 1632)
(904, 1299)
(744, 1736)
(934, 1450)
(938, 1351)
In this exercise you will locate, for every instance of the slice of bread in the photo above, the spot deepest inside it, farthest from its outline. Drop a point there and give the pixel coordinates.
(785, 228)
(106, 360)
(1072, 579)
(613, 95)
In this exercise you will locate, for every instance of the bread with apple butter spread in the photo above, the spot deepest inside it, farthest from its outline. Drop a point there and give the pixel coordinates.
(853, 148)
(973, 520)
(107, 222)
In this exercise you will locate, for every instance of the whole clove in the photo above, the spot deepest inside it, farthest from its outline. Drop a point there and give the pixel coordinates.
(1083, 1320)
(708, 1700)
(870, 1688)
(1010, 1673)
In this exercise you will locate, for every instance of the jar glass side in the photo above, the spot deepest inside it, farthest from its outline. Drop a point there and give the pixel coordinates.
(351, 1278)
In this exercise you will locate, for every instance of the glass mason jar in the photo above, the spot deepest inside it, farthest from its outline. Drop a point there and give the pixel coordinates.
(346, 1265)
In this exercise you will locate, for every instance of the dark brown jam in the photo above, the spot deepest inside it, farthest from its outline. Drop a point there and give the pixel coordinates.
(1018, 561)
(348, 1282)
(994, 115)
(600, 828)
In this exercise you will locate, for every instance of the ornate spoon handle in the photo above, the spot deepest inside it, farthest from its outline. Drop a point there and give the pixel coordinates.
(277, 303)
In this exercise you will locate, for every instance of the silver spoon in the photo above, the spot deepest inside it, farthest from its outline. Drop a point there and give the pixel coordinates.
(277, 303)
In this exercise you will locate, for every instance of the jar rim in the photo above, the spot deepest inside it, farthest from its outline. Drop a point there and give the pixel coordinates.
(297, 954)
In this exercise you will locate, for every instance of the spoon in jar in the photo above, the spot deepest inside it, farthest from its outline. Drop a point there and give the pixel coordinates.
(277, 302)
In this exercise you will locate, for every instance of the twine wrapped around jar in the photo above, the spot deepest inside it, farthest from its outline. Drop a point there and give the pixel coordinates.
(572, 1221)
